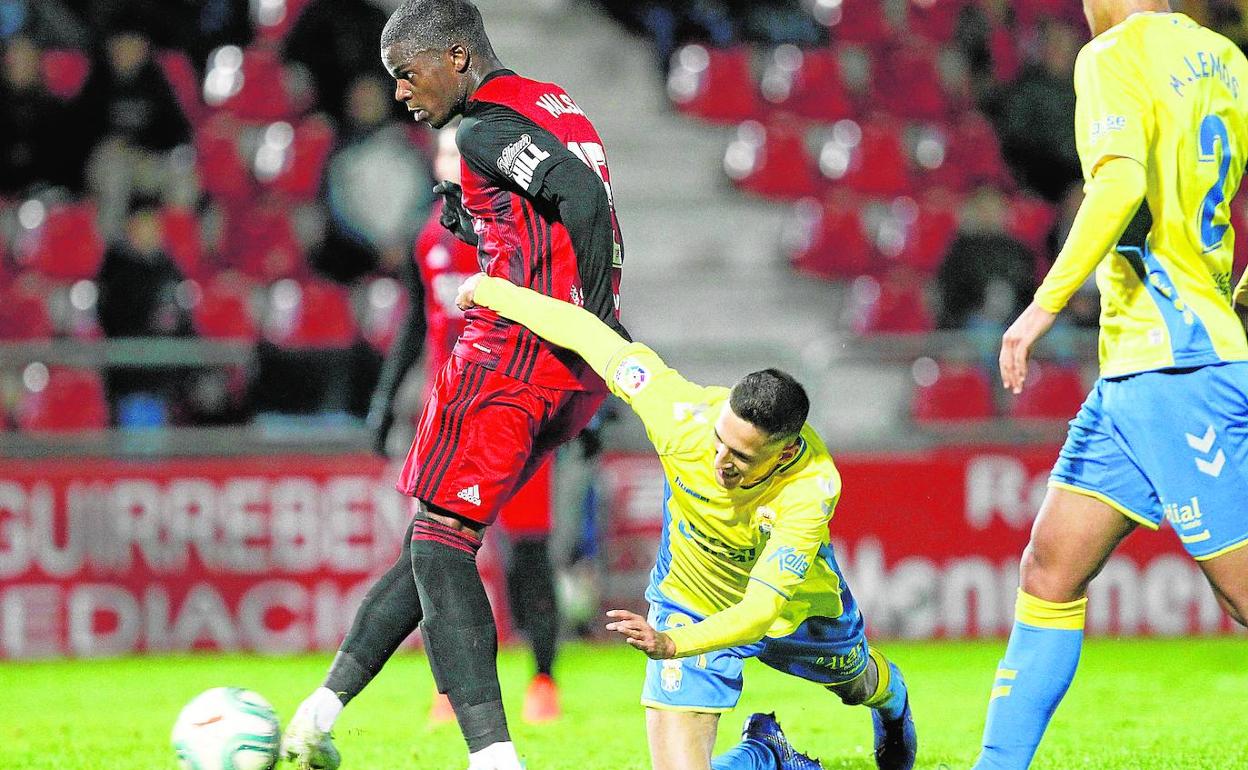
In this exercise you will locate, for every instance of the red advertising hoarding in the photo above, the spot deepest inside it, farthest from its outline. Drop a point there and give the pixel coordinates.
(930, 542)
(273, 554)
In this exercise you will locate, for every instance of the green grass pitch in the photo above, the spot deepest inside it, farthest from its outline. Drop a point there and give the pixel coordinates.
(1151, 705)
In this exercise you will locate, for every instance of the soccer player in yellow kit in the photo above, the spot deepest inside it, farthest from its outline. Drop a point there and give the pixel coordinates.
(744, 566)
(1162, 129)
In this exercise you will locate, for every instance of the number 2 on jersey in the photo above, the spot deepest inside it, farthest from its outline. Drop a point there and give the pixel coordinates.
(1214, 147)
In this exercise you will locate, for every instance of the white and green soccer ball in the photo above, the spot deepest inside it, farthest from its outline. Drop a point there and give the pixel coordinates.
(227, 728)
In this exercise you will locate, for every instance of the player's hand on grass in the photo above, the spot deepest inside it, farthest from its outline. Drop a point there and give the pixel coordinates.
(465, 298)
(640, 634)
(1017, 341)
(454, 216)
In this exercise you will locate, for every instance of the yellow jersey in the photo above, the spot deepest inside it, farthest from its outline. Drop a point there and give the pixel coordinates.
(1164, 91)
(717, 541)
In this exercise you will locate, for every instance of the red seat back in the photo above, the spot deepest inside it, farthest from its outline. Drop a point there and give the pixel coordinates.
(1052, 392)
(24, 316)
(713, 84)
(65, 71)
(959, 393)
(310, 314)
(67, 245)
(223, 310)
(69, 400)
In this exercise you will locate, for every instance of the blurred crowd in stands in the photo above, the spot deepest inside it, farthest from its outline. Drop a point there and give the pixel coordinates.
(236, 170)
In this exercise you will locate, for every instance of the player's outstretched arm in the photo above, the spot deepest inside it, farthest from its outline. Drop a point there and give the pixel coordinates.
(1111, 199)
(555, 321)
(743, 623)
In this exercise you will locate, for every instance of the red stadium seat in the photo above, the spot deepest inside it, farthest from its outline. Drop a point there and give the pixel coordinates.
(300, 177)
(895, 305)
(713, 84)
(184, 81)
(1239, 221)
(807, 83)
(870, 159)
(935, 20)
(24, 315)
(182, 239)
(959, 393)
(833, 243)
(65, 71)
(908, 82)
(771, 161)
(928, 236)
(258, 91)
(860, 21)
(66, 245)
(309, 315)
(1051, 392)
(1030, 220)
(222, 173)
(260, 240)
(975, 153)
(223, 309)
(60, 400)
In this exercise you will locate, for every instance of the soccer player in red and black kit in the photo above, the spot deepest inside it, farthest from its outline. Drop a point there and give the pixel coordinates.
(536, 199)
(432, 326)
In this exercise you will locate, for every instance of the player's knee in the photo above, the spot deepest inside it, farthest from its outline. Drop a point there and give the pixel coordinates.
(1044, 576)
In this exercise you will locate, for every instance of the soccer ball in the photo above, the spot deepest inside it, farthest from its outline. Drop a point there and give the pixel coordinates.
(227, 728)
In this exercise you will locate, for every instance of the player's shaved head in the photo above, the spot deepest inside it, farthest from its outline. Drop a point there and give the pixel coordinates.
(1103, 14)
(436, 24)
(772, 401)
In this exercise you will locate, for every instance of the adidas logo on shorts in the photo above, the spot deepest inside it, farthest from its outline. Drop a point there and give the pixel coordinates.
(471, 495)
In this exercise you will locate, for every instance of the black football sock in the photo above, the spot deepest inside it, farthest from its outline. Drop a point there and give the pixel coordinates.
(531, 592)
(460, 637)
(389, 614)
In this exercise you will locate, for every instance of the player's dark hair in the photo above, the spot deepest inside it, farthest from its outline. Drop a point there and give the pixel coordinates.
(437, 24)
(772, 401)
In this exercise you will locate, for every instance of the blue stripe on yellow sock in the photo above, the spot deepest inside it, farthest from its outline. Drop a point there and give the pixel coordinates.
(1039, 664)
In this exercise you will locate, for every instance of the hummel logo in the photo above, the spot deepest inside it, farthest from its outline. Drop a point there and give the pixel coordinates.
(1204, 445)
(471, 495)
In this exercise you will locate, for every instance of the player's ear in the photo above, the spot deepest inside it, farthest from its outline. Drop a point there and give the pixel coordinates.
(460, 57)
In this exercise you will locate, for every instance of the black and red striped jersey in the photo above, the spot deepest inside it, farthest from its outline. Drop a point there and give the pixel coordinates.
(514, 134)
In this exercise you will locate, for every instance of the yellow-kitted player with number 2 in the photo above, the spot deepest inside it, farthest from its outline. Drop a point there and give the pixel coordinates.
(1162, 131)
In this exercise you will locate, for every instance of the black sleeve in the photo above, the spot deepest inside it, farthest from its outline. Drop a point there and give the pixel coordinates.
(406, 348)
(581, 199)
(504, 146)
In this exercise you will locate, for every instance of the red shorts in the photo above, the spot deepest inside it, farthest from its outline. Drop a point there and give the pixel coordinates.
(482, 435)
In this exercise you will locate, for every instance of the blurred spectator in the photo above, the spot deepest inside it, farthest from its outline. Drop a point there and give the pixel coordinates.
(132, 119)
(987, 277)
(138, 281)
(1228, 17)
(985, 36)
(199, 27)
(1035, 115)
(378, 185)
(671, 23)
(32, 125)
(336, 40)
(49, 23)
(138, 297)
